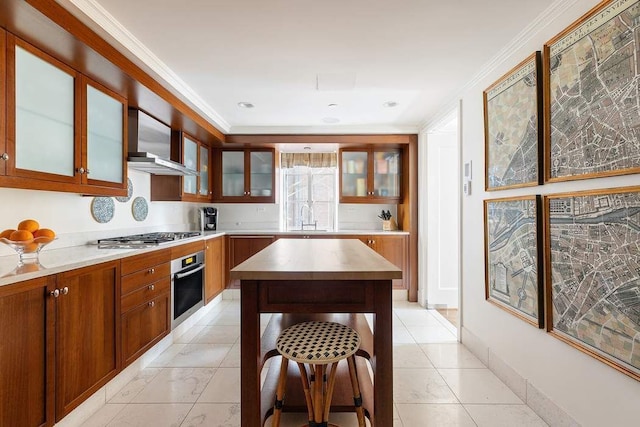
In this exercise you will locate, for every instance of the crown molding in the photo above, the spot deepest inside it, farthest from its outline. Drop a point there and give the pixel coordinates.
(556, 9)
(331, 129)
(95, 12)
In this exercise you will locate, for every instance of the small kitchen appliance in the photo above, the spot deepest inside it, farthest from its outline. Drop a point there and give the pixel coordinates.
(209, 218)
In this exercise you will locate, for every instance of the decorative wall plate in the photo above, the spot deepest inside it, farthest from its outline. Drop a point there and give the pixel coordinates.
(126, 198)
(140, 209)
(102, 209)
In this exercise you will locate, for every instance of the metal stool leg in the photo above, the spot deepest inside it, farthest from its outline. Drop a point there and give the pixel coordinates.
(282, 383)
(357, 398)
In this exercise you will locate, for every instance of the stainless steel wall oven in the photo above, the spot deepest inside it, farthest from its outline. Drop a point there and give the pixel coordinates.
(187, 286)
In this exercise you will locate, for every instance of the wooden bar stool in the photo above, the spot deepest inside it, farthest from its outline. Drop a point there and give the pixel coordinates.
(318, 345)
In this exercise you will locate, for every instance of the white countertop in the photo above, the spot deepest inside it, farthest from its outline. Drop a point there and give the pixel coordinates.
(53, 261)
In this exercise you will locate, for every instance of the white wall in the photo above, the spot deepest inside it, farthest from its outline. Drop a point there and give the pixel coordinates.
(591, 392)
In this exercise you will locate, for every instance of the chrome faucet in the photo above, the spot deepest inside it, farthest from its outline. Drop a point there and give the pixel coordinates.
(310, 220)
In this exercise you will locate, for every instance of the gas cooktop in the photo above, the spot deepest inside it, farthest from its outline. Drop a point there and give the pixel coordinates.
(145, 240)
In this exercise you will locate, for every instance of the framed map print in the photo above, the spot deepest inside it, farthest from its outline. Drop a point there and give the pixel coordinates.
(593, 274)
(593, 101)
(513, 127)
(513, 278)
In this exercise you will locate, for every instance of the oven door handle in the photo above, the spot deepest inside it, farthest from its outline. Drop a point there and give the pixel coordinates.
(188, 273)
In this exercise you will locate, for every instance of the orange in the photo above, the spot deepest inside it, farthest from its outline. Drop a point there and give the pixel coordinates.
(21, 236)
(30, 225)
(30, 247)
(7, 233)
(44, 235)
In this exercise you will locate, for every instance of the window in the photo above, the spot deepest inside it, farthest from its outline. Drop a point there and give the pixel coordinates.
(309, 186)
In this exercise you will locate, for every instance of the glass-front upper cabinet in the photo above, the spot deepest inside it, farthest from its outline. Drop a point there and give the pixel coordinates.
(195, 155)
(190, 160)
(247, 175)
(370, 175)
(42, 136)
(105, 130)
(203, 179)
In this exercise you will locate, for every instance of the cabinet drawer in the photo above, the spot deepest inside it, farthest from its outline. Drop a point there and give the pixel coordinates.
(140, 279)
(187, 249)
(144, 294)
(144, 326)
(144, 261)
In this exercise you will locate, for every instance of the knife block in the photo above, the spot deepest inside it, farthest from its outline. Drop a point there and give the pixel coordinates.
(389, 225)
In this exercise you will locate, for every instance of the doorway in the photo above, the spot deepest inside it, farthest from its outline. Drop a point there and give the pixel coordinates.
(440, 219)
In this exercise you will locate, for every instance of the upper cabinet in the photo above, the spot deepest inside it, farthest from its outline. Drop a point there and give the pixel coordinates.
(370, 175)
(64, 132)
(4, 156)
(246, 175)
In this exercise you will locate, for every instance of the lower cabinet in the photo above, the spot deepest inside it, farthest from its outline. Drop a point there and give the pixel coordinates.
(242, 247)
(145, 302)
(59, 343)
(214, 268)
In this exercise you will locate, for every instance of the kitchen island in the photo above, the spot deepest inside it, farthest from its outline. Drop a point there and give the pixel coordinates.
(316, 276)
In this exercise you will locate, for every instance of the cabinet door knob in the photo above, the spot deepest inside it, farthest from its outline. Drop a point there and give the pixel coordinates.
(373, 242)
(151, 287)
(64, 290)
(248, 193)
(80, 170)
(152, 303)
(4, 156)
(55, 293)
(87, 171)
(152, 270)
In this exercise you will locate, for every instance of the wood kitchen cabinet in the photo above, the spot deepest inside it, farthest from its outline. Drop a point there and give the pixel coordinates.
(246, 175)
(370, 175)
(4, 156)
(394, 248)
(145, 302)
(241, 248)
(27, 353)
(59, 342)
(82, 122)
(214, 268)
(87, 332)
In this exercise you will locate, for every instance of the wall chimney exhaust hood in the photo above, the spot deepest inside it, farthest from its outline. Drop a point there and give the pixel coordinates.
(150, 146)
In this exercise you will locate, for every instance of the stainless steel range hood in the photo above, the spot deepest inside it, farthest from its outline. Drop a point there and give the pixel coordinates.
(150, 146)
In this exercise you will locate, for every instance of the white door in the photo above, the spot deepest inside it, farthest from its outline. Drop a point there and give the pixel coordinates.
(442, 225)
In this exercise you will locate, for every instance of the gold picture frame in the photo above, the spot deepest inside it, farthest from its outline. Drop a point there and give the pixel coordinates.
(592, 125)
(513, 258)
(592, 277)
(513, 127)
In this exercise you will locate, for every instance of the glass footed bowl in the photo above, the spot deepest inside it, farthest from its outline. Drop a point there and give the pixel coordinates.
(28, 249)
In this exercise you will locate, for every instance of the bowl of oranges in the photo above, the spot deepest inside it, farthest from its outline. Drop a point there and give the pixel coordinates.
(28, 239)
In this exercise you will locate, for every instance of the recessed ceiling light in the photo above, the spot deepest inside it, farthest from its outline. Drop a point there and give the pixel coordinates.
(245, 105)
(332, 105)
(331, 120)
(390, 104)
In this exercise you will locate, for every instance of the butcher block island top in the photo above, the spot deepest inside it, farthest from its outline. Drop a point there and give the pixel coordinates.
(316, 259)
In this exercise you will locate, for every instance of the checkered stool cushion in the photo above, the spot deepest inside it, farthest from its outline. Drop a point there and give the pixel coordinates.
(318, 342)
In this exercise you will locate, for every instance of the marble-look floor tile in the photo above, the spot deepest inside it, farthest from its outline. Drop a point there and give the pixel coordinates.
(213, 415)
(453, 355)
(224, 387)
(435, 415)
(218, 334)
(166, 356)
(431, 334)
(409, 356)
(156, 415)
(176, 385)
(417, 318)
(104, 415)
(504, 416)
(402, 336)
(420, 386)
(478, 386)
(199, 356)
(232, 359)
(227, 318)
(301, 419)
(190, 334)
(129, 391)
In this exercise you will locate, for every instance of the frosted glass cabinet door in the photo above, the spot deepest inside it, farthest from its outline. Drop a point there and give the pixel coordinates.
(190, 159)
(204, 171)
(261, 173)
(233, 174)
(44, 134)
(355, 173)
(386, 173)
(104, 136)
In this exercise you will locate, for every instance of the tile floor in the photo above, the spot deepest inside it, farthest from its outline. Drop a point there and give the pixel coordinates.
(196, 382)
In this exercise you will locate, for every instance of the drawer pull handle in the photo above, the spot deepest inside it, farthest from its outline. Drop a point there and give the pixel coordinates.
(152, 303)
(151, 287)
